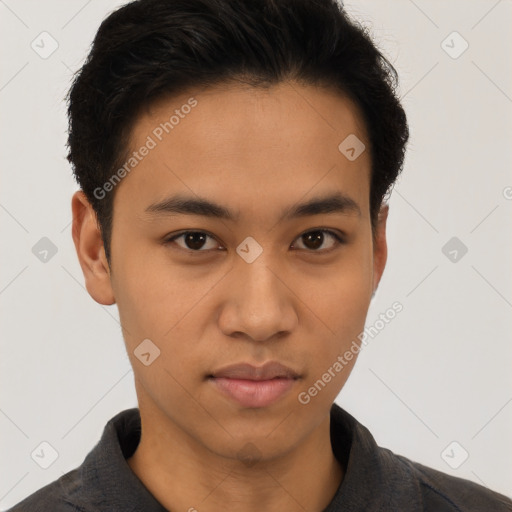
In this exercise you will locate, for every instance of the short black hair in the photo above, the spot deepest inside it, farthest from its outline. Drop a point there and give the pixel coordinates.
(149, 49)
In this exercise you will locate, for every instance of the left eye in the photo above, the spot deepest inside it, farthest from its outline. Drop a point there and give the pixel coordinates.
(312, 240)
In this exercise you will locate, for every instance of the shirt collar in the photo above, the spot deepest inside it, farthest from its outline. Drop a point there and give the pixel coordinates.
(108, 481)
(374, 478)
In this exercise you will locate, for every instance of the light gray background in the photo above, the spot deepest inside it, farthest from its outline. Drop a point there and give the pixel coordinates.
(439, 372)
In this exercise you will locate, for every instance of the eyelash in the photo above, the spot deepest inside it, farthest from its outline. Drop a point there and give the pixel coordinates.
(338, 238)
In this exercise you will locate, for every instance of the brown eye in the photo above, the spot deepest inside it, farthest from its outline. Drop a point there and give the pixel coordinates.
(315, 240)
(193, 241)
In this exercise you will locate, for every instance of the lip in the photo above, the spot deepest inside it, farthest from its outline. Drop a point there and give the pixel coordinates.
(247, 371)
(253, 386)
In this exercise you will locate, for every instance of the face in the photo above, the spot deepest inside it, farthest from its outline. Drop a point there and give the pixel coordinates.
(256, 278)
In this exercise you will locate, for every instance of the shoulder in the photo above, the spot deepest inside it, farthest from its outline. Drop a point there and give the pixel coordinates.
(54, 496)
(443, 492)
(103, 481)
(388, 481)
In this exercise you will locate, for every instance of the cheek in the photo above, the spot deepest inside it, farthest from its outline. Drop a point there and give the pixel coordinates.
(340, 298)
(155, 305)
(152, 296)
(337, 306)
(349, 310)
(333, 342)
(163, 303)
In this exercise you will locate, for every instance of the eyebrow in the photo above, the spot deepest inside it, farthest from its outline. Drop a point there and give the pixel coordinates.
(188, 205)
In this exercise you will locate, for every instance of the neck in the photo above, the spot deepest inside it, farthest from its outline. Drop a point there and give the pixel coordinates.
(183, 474)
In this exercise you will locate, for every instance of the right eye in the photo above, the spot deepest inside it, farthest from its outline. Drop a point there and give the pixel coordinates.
(193, 241)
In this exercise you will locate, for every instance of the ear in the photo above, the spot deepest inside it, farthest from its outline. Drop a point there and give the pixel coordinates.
(380, 247)
(91, 253)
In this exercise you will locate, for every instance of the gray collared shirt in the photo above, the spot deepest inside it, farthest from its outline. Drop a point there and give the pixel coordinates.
(376, 479)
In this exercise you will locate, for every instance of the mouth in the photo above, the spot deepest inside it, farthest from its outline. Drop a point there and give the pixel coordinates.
(254, 387)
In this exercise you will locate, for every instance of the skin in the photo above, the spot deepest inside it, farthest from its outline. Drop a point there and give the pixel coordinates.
(255, 152)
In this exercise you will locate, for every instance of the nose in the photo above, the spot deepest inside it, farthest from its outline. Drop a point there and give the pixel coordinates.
(259, 303)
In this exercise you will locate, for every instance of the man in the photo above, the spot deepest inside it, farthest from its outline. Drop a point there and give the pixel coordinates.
(233, 159)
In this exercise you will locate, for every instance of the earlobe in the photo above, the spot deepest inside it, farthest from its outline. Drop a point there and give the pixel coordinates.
(380, 249)
(90, 250)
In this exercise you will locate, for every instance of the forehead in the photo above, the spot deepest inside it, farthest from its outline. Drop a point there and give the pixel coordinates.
(240, 109)
(237, 142)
